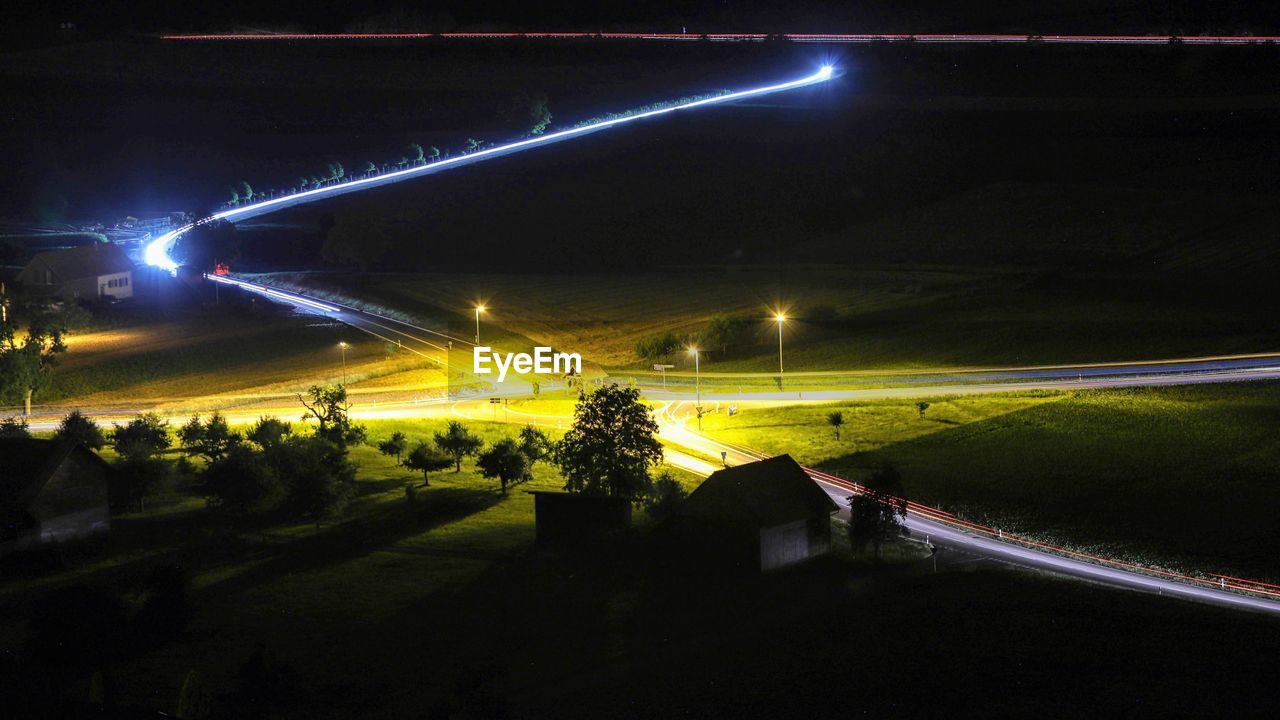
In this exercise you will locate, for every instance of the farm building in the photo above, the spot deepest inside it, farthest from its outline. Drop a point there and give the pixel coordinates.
(562, 517)
(760, 516)
(50, 492)
(99, 270)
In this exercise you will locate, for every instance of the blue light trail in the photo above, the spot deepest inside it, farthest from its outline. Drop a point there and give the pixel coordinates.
(157, 252)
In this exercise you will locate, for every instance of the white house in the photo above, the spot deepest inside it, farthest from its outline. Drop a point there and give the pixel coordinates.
(100, 270)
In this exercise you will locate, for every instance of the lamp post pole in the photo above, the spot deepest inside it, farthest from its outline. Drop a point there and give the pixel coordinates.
(479, 309)
(697, 385)
(343, 346)
(781, 319)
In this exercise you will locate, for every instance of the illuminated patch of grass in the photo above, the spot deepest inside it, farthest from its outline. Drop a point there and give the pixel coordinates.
(1187, 476)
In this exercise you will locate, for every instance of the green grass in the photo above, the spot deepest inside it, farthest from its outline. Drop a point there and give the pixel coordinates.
(1185, 476)
(262, 580)
(886, 317)
(185, 357)
(397, 608)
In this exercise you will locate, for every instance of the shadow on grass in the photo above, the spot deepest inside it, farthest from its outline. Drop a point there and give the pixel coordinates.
(381, 526)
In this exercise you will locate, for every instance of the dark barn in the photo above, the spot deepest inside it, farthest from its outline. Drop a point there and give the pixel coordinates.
(572, 517)
(50, 492)
(761, 516)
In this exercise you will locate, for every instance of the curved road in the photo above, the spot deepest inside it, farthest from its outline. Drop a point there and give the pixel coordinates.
(948, 531)
(939, 527)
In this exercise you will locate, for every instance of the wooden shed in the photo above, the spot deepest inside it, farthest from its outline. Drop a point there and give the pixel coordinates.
(760, 516)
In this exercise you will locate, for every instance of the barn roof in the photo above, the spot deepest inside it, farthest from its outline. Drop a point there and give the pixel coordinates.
(768, 493)
(26, 464)
(84, 261)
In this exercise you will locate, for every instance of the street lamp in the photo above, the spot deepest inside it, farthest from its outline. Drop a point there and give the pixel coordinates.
(479, 309)
(342, 345)
(781, 318)
(697, 384)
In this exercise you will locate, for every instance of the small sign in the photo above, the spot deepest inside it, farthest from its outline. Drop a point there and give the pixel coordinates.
(494, 401)
(660, 366)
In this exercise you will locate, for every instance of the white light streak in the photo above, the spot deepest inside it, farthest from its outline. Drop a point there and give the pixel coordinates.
(157, 252)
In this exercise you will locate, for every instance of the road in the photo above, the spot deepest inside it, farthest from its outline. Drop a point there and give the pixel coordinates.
(157, 252)
(945, 530)
(939, 527)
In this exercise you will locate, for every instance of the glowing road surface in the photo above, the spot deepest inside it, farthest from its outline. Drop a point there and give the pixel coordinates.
(157, 252)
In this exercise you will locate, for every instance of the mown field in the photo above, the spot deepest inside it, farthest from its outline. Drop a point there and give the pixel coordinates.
(1184, 476)
(190, 358)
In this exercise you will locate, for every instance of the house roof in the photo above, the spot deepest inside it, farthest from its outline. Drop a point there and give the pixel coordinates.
(26, 464)
(85, 261)
(768, 493)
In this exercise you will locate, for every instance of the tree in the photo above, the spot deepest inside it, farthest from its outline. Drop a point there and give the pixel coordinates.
(233, 195)
(535, 445)
(142, 438)
(427, 459)
(139, 444)
(329, 407)
(246, 192)
(665, 496)
(506, 462)
(527, 109)
(457, 442)
(319, 478)
(78, 429)
(654, 347)
(394, 445)
(26, 362)
(433, 153)
(474, 144)
(876, 514)
(922, 406)
(336, 171)
(370, 168)
(270, 432)
(724, 331)
(14, 427)
(415, 153)
(210, 440)
(243, 481)
(611, 445)
(835, 419)
(208, 244)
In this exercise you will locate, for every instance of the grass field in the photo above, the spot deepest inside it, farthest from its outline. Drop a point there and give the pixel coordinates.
(885, 318)
(1184, 476)
(346, 577)
(148, 359)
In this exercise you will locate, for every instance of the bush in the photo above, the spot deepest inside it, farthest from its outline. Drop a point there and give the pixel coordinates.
(665, 496)
(654, 347)
(243, 481)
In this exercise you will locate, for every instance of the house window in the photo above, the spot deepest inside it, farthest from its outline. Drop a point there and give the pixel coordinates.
(124, 281)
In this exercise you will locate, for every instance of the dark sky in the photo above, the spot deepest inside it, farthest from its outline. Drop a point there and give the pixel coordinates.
(1157, 16)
